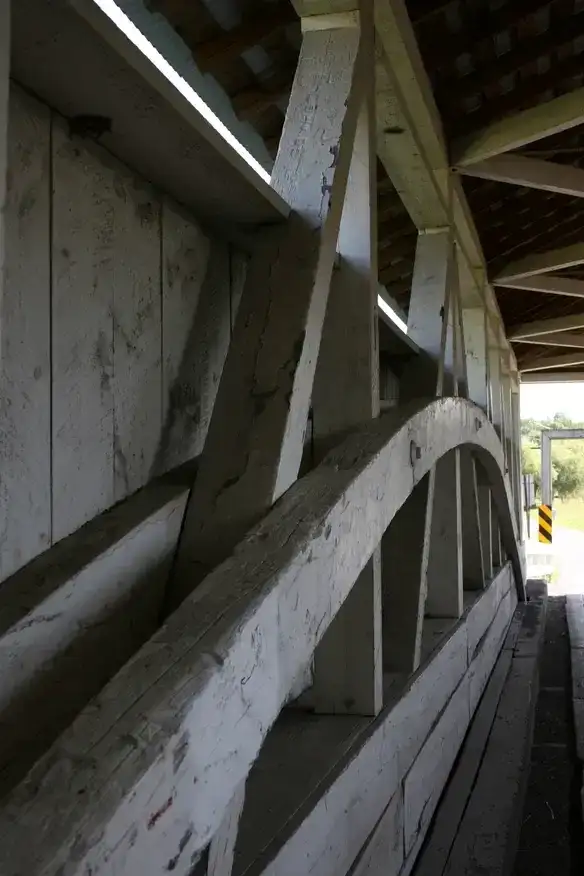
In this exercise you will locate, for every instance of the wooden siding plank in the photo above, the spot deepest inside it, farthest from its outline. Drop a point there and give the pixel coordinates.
(136, 331)
(83, 268)
(25, 380)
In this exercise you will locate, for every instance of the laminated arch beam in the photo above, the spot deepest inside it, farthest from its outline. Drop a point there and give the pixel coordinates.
(152, 764)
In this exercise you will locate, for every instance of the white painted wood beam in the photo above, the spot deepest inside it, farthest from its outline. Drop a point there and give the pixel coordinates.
(412, 146)
(562, 339)
(473, 574)
(541, 327)
(557, 377)
(4, 90)
(535, 123)
(475, 331)
(256, 435)
(348, 667)
(543, 262)
(404, 593)
(554, 362)
(530, 172)
(177, 716)
(496, 416)
(547, 283)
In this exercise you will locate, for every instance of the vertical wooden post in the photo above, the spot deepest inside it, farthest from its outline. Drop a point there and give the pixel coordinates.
(444, 592)
(497, 420)
(472, 549)
(516, 426)
(348, 668)
(427, 529)
(4, 97)
(473, 319)
(254, 445)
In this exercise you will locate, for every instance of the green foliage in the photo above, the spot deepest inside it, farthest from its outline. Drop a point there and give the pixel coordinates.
(567, 456)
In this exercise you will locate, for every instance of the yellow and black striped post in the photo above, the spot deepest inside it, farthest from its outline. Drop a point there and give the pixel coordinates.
(545, 523)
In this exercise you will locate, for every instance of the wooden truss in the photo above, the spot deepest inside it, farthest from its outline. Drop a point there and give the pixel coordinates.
(313, 586)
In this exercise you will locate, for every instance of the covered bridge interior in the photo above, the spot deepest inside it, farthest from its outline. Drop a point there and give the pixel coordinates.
(272, 274)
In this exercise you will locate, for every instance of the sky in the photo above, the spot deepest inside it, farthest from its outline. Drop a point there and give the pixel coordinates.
(540, 401)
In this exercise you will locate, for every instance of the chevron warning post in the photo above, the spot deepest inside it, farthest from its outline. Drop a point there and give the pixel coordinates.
(544, 515)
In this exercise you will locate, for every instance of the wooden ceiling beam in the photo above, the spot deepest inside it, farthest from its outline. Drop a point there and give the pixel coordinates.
(562, 339)
(549, 284)
(542, 120)
(543, 364)
(543, 262)
(541, 327)
(230, 44)
(530, 172)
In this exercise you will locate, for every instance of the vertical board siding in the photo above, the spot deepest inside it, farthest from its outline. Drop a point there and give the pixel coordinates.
(84, 252)
(136, 334)
(185, 252)
(25, 498)
(116, 320)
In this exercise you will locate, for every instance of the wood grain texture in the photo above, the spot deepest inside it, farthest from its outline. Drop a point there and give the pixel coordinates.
(136, 317)
(258, 617)
(83, 268)
(343, 815)
(25, 379)
(73, 616)
(256, 436)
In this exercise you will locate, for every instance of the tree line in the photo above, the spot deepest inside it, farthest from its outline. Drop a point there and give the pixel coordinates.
(567, 456)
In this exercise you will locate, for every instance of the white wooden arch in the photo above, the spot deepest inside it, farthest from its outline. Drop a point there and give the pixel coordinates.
(148, 769)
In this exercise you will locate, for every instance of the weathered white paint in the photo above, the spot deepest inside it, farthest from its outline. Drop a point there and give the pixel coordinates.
(72, 617)
(85, 346)
(520, 170)
(25, 375)
(298, 567)
(83, 277)
(136, 333)
(5, 40)
(541, 262)
(547, 283)
(444, 596)
(425, 781)
(351, 812)
(256, 435)
(535, 123)
(417, 160)
(348, 667)
(222, 847)
(486, 521)
(73, 57)
(384, 852)
(475, 336)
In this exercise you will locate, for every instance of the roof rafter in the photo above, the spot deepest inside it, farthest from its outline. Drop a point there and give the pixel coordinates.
(542, 327)
(561, 339)
(553, 362)
(535, 123)
(550, 284)
(530, 172)
(542, 262)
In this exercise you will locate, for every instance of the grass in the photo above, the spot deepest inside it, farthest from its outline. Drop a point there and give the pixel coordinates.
(569, 513)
